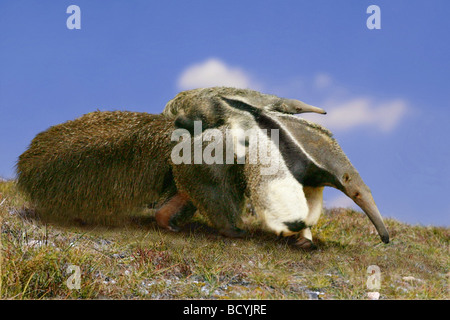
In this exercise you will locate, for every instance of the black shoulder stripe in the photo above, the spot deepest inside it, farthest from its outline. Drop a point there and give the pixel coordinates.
(293, 156)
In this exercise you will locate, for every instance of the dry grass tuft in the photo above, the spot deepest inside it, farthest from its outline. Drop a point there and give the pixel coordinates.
(140, 261)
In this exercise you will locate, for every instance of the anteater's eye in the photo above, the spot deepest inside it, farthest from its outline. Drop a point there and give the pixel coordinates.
(346, 177)
(357, 195)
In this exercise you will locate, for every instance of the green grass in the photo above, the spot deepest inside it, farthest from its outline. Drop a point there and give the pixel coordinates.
(140, 261)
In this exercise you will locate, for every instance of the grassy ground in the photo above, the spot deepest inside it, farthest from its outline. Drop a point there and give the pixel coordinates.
(139, 261)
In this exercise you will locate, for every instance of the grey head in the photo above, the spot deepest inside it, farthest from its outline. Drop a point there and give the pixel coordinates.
(315, 159)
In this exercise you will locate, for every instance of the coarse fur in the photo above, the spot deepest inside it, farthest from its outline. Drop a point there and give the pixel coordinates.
(277, 197)
(103, 165)
(216, 190)
(98, 166)
(221, 189)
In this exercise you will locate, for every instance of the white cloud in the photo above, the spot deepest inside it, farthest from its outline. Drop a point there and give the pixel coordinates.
(214, 72)
(357, 112)
(345, 111)
(322, 80)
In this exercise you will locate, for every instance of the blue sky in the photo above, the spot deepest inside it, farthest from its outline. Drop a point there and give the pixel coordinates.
(387, 91)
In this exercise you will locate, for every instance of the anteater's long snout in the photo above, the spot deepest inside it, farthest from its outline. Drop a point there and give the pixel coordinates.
(367, 204)
(302, 107)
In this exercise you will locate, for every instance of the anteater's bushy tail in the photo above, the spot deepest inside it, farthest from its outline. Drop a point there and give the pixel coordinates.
(98, 166)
